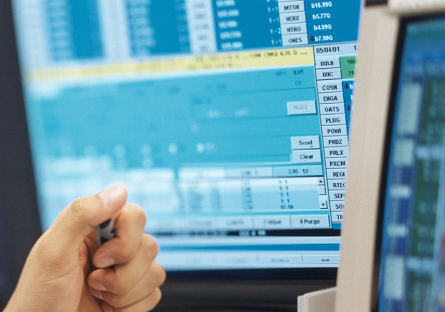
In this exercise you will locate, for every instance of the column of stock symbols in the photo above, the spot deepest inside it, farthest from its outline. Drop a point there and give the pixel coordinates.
(293, 22)
(334, 131)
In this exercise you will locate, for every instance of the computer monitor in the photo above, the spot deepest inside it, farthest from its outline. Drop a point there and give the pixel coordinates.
(227, 120)
(392, 256)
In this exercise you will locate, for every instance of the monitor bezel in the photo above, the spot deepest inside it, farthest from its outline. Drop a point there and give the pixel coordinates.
(385, 165)
(374, 73)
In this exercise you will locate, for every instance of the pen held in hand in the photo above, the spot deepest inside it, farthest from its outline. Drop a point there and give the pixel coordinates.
(104, 232)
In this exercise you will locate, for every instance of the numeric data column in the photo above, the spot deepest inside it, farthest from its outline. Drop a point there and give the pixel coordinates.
(241, 24)
(74, 29)
(152, 33)
(201, 26)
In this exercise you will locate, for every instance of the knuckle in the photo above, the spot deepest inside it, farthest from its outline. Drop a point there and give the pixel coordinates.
(154, 299)
(136, 215)
(135, 211)
(157, 274)
(140, 214)
(150, 245)
(162, 276)
(77, 208)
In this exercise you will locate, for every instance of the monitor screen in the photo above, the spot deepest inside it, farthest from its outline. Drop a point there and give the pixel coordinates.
(412, 266)
(227, 120)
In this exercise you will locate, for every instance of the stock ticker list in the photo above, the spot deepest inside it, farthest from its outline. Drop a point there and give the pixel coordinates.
(268, 23)
(135, 27)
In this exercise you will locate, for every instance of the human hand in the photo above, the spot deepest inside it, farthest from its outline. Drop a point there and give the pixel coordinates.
(65, 271)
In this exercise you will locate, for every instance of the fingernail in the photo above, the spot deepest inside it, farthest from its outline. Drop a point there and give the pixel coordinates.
(96, 293)
(103, 263)
(112, 194)
(106, 307)
(96, 285)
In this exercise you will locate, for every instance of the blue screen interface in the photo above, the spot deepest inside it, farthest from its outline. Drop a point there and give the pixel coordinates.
(413, 244)
(227, 120)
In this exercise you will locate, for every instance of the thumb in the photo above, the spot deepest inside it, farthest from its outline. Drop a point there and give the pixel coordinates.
(77, 220)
